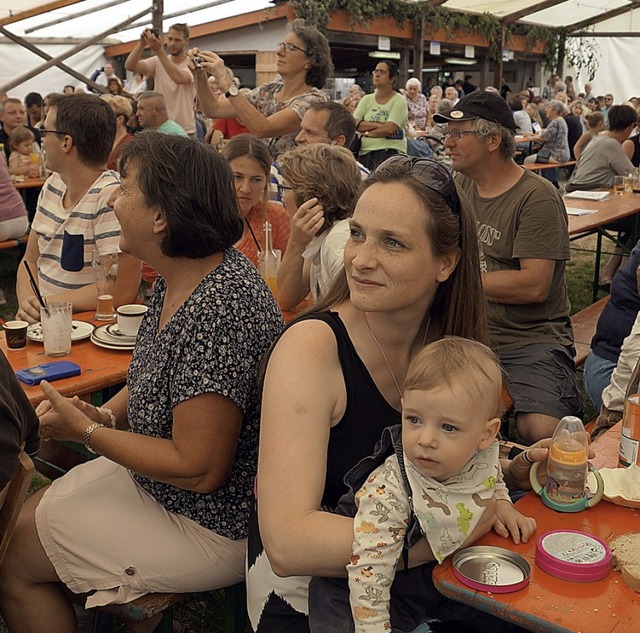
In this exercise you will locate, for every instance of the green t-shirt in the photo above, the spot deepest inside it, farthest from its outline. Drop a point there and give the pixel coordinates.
(395, 110)
(529, 221)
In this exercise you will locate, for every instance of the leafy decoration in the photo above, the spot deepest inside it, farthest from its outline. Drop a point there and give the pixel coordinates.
(580, 52)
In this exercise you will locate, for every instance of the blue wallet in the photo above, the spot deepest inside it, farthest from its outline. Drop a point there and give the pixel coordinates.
(48, 371)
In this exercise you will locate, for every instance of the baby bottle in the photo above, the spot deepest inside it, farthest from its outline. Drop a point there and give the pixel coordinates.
(567, 470)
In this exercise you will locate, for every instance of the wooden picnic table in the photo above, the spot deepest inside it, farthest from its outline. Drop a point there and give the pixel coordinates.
(607, 212)
(28, 183)
(548, 604)
(101, 368)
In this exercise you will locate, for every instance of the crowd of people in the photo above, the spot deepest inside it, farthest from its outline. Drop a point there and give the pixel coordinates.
(433, 266)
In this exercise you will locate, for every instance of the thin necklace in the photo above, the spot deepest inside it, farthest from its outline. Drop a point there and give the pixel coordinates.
(386, 360)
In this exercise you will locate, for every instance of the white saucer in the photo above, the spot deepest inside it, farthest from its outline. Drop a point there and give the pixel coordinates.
(105, 345)
(79, 331)
(103, 335)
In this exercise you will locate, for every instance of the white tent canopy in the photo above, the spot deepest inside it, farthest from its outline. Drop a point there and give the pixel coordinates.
(81, 19)
(613, 16)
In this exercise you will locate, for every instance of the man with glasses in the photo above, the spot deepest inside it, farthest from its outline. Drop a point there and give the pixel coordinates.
(524, 240)
(74, 217)
(172, 75)
(608, 102)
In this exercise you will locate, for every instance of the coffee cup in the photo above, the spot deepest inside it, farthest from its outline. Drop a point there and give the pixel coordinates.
(16, 334)
(130, 317)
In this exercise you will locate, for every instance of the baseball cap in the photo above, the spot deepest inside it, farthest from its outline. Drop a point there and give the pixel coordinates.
(480, 105)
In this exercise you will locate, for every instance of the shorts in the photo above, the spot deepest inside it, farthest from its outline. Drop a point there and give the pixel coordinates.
(102, 532)
(542, 379)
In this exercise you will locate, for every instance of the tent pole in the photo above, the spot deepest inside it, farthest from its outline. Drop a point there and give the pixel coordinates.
(157, 11)
(36, 51)
(70, 53)
(77, 14)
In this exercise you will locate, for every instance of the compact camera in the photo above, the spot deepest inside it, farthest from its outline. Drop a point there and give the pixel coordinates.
(198, 61)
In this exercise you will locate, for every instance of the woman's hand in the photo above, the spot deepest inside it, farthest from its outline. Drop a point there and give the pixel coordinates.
(214, 65)
(60, 418)
(306, 222)
(517, 473)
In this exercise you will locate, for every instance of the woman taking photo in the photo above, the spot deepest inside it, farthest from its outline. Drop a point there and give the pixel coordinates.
(319, 192)
(272, 111)
(165, 507)
(381, 118)
(251, 165)
(411, 275)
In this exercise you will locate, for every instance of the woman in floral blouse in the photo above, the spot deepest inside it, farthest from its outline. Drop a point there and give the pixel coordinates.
(165, 508)
(274, 110)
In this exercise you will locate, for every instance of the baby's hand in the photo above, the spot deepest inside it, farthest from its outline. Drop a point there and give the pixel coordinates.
(510, 522)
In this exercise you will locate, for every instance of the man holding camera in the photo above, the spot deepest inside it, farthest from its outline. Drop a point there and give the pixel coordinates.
(171, 72)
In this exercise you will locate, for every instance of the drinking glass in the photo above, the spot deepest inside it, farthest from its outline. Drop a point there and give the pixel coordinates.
(56, 321)
(105, 270)
(618, 185)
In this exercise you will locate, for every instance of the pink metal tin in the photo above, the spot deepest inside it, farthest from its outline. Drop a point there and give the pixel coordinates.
(491, 569)
(574, 556)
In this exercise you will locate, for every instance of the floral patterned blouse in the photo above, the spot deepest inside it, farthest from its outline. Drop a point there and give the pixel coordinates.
(418, 112)
(263, 98)
(213, 344)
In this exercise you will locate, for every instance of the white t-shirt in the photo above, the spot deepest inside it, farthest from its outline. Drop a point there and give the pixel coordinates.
(326, 253)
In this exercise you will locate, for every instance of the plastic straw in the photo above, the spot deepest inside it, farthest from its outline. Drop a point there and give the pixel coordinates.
(34, 285)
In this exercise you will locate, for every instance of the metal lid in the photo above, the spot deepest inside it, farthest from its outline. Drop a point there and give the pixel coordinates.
(574, 556)
(491, 569)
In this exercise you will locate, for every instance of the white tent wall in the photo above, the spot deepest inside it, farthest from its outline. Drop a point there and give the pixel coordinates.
(615, 74)
(17, 60)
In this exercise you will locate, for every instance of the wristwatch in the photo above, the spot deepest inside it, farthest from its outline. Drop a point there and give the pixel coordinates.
(232, 91)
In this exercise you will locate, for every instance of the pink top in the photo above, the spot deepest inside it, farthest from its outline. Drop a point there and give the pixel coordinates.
(11, 205)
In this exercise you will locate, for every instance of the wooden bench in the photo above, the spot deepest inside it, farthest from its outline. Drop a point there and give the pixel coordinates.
(540, 166)
(12, 243)
(584, 327)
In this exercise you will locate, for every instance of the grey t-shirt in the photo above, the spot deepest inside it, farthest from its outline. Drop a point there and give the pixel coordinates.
(599, 162)
(529, 221)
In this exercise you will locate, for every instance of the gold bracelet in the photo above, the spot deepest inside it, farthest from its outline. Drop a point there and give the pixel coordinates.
(87, 435)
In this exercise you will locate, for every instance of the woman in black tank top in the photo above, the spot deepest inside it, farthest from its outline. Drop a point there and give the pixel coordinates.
(333, 380)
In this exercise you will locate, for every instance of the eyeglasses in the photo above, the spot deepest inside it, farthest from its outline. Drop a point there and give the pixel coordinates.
(380, 71)
(282, 190)
(431, 174)
(44, 132)
(456, 135)
(289, 47)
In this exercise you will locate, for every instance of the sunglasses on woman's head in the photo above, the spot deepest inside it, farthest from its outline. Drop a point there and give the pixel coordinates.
(431, 174)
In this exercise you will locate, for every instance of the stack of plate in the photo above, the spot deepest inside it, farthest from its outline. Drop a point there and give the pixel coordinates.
(110, 337)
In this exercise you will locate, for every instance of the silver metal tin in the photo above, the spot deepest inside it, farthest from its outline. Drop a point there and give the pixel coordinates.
(491, 569)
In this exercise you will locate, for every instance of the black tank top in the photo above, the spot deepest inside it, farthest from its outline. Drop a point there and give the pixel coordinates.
(635, 159)
(366, 414)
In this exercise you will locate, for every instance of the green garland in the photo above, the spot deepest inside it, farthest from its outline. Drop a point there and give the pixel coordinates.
(580, 53)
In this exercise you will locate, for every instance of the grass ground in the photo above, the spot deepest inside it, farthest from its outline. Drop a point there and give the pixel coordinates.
(579, 283)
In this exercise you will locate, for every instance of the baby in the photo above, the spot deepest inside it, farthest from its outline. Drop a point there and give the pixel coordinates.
(21, 140)
(435, 481)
